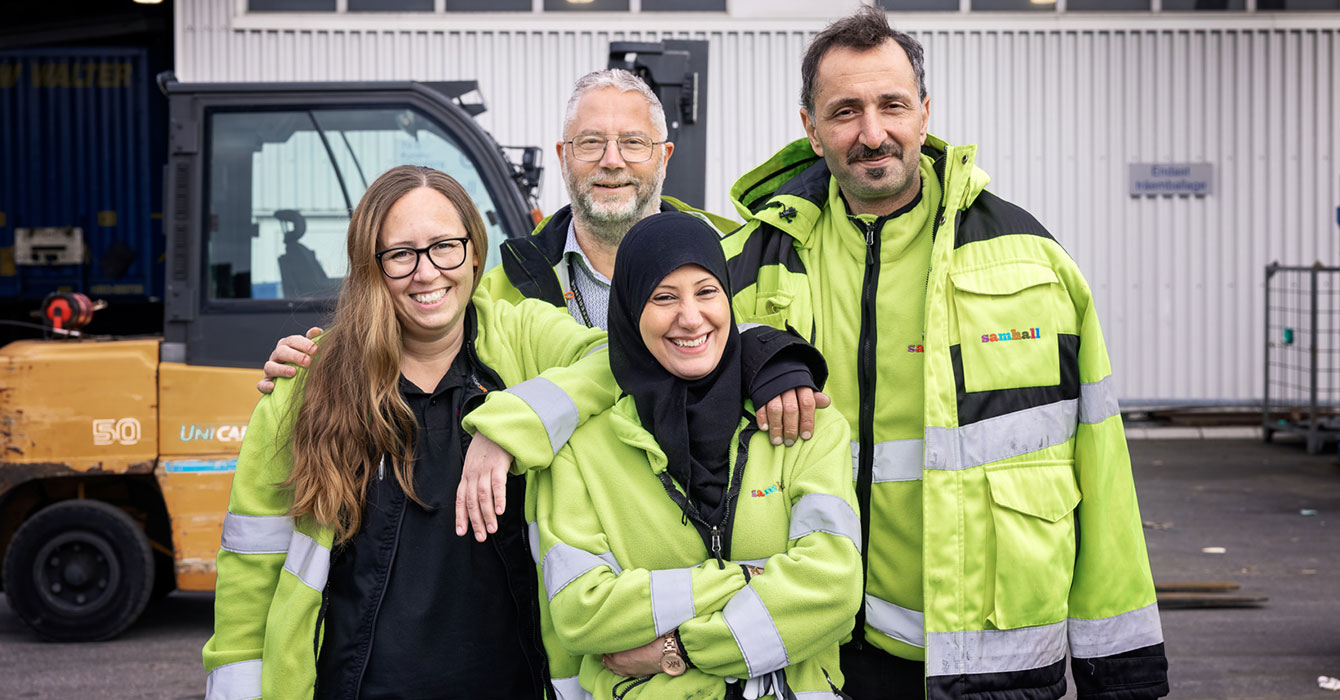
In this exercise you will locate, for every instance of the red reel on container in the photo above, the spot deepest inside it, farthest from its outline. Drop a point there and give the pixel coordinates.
(67, 311)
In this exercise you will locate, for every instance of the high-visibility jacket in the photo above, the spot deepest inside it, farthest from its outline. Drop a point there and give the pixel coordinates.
(272, 568)
(531, 265)
(1030, 537)
(622, 566)
(532, 269)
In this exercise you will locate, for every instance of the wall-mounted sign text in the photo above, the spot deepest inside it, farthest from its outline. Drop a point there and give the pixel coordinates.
(1171, 178)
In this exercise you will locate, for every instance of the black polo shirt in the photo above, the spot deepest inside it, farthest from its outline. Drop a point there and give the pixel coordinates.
(414, 611)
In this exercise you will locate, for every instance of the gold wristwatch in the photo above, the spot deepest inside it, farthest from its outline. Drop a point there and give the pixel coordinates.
(672, 662)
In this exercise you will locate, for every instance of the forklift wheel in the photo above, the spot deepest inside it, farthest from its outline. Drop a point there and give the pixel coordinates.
(79, 571)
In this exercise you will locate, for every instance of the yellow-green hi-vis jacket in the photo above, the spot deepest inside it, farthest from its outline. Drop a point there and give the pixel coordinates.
(272, 567)
(1028, 537)
(622, 567)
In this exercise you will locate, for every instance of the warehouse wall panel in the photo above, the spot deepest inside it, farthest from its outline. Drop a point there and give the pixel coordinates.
(1058, 106)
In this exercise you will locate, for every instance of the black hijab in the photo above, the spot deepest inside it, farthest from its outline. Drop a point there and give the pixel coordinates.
(693, 421)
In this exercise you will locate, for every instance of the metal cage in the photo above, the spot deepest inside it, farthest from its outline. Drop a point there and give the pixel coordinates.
(1302, 353)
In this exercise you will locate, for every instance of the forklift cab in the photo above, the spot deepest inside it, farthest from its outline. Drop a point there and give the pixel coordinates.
(261, 181)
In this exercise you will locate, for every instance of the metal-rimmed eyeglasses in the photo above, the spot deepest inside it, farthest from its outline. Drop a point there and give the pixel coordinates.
(399, 263)
(590, 148)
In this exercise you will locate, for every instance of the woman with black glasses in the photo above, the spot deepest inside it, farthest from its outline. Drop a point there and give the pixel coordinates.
(340, 575)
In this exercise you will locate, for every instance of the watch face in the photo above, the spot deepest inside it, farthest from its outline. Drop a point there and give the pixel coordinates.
(672, 664)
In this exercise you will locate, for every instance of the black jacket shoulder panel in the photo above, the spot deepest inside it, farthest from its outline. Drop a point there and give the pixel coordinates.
(811, 184)
(990, 216)
(787, 175)
(529, 260)
(765, 245)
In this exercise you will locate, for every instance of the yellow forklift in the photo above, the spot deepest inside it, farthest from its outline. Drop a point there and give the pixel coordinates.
(117, 454)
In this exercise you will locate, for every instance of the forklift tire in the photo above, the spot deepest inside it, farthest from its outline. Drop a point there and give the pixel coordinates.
(79, 571)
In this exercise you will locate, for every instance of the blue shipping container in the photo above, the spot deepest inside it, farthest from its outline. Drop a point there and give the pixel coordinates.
(81, 134)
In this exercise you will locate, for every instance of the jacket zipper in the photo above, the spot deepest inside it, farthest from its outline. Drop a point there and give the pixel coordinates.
(865, 367)
(715, 536)
(381, 595)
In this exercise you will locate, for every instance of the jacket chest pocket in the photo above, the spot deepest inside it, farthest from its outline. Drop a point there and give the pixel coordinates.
(1007, 323)
(1032, 510)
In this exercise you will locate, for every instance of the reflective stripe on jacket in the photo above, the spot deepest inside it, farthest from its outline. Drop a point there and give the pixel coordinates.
(272, 570)
(1023, 444)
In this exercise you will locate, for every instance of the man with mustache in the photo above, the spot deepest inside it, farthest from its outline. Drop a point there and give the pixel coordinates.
(997, 507)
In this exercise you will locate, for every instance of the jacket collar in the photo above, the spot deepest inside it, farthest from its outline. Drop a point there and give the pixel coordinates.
(790, 189)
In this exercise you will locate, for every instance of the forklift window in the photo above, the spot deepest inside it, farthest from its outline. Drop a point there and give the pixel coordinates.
(282, 185)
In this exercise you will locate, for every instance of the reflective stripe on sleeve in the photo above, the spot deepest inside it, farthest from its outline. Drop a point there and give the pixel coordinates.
(742, 327)
(896, 622)
(894, 460)
(594, 350)
(236, 681)
(256, 534)
(1090, 639)
(755, 633)
(1098, 401)
(308, 560)
(569, 688)
(824, 512)
(760, 563)
(553, 405)
(533, 533)
(611, 562)
(563, 563)
(1001, 437)
(671, 598)
(994, 651)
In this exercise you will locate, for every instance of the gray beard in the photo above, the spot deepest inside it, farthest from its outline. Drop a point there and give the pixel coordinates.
(608, 229)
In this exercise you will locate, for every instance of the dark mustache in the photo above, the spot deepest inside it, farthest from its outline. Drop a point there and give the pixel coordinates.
(861, 152)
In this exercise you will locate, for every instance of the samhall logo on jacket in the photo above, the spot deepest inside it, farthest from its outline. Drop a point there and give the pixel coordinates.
(760, 493)
(1013, 334)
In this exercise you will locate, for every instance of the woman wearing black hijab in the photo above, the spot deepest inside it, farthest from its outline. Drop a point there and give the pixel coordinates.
(681, 550)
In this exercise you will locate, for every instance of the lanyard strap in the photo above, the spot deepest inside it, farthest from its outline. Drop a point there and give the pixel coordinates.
(577, 293)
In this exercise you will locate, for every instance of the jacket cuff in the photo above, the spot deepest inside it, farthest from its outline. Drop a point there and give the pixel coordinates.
(774, 361)
(1139, 674)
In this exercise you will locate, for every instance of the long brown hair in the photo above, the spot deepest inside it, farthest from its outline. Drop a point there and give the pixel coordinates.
(352, 412)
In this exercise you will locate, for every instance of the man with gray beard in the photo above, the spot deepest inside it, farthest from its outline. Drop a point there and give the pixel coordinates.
(613, 157)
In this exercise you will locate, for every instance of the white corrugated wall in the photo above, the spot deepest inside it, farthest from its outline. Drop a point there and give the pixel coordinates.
(1059, 106)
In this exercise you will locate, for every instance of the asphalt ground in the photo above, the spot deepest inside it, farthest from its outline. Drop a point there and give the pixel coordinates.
(1242, 495)
(1249, 498)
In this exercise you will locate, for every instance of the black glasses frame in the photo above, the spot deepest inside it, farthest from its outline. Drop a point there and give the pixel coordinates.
(419, 254)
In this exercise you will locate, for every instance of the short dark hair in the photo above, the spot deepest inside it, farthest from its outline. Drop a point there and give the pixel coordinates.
(865, 29)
